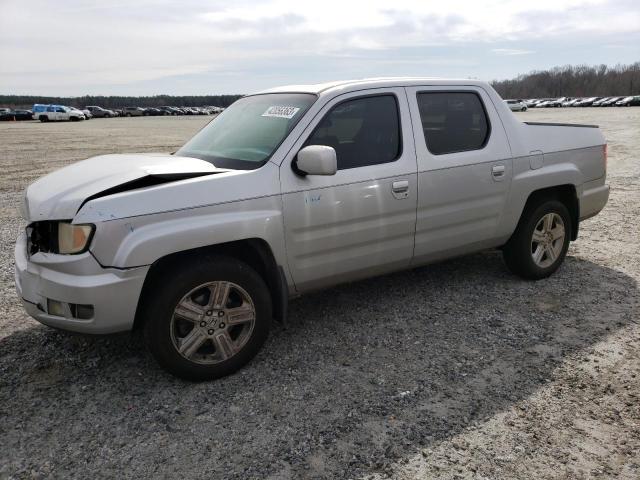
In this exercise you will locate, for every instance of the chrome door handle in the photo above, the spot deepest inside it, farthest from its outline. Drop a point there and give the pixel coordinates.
(401, 186)
(400, 189)
(498, 172)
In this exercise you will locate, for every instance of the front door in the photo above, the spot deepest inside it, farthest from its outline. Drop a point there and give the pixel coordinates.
(360, 221)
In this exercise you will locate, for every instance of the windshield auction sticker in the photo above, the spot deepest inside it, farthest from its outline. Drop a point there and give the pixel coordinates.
(281, 112)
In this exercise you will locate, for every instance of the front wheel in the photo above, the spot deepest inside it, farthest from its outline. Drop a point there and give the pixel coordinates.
(207, 319)
(541, 240)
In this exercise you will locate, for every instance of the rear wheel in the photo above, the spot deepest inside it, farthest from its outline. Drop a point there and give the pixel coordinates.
(209, 320)
(539, 245)
(43, 118)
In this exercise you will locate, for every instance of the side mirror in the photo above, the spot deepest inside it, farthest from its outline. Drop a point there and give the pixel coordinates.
(317, 160)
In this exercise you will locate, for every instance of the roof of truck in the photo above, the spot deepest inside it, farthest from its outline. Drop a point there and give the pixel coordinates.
(348, 85)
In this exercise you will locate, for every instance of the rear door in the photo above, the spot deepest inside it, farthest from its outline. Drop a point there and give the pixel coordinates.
(360, 221)
(464, 170)
(61, 114)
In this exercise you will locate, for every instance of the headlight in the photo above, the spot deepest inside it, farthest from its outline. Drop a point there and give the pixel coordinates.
(73, 238)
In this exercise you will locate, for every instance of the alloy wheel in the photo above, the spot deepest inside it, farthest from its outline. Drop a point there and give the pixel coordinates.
(213, 322)
(547, 240)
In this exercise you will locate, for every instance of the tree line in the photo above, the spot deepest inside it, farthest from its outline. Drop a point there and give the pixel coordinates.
(573, 81)
(27, 101)
(568, 81)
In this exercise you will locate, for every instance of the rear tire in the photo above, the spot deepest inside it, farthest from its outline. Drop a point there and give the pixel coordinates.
(43, 118)
(541, 240)
(206, 318)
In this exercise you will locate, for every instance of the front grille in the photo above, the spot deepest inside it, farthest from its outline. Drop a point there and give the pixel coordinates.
(42, 237)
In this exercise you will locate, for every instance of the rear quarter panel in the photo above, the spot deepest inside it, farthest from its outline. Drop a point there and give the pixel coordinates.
(577, 167)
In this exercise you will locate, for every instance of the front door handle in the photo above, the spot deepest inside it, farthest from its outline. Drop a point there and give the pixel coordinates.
(401, 186)
(498, 172)
(400, 189)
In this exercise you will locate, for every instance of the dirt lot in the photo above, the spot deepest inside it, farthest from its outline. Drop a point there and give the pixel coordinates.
(457, 370)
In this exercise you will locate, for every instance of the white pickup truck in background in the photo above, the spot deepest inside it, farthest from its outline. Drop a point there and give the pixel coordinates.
(294, 189)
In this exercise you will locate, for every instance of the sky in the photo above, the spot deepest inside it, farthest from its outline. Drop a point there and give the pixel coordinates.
(188, 47)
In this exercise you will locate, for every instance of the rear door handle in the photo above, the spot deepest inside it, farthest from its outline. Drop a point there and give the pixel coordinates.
(400, 189)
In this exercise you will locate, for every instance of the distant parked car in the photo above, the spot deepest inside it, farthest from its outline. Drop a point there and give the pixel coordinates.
(23, 114)
(570, 102)
(516, 105)
(99, 112)
(167, 111)
(133, 111)
(151, 112)
(87, 113)
(586, 102)
(628, 101)
(19, 114)
(556, 102)
(6, 114)
(610, 101)
(172, 110)
(56, 113)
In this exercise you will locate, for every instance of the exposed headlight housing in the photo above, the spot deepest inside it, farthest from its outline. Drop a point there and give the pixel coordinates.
(58, 237)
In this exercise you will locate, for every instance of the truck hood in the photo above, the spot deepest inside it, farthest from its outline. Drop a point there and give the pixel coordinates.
(59, 195)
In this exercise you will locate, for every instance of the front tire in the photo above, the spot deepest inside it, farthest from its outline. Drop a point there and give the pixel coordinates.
(541, 240)
(206, 318)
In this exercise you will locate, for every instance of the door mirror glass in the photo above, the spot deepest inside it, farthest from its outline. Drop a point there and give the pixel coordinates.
(317, 160)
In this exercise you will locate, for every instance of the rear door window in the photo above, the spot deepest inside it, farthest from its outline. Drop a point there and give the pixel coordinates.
(453, 121)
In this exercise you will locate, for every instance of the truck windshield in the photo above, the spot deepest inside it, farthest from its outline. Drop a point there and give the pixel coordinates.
(247, 133)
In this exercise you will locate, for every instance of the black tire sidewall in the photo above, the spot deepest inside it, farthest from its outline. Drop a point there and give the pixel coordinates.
(518, 251)
(159, 310)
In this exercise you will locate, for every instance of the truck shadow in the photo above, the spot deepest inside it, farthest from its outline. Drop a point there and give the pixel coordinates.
(364, 373)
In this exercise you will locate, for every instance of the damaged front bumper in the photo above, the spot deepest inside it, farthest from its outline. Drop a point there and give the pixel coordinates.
(74, 292)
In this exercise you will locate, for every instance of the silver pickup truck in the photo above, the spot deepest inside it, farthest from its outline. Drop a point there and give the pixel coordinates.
(295, 189)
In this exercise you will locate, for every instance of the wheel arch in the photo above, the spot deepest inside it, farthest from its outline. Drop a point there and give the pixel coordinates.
(567, 194)
(255, 252)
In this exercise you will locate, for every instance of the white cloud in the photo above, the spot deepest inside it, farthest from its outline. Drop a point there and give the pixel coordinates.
(94, 47)
(511, 51)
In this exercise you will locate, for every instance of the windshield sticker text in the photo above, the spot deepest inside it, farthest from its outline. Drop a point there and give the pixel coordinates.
(281, 112)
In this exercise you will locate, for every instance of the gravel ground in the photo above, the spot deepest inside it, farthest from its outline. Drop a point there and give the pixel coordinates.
(456, 370)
